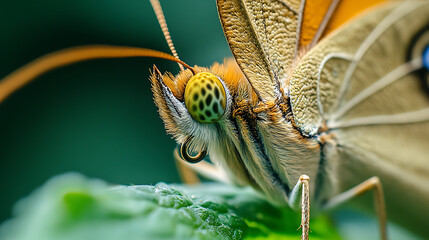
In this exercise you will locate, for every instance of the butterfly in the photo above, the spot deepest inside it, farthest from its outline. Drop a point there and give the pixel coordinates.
(313, 107)
(324, 105)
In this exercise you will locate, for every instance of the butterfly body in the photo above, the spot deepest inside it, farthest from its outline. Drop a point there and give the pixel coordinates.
(340, 113)
(304, 101)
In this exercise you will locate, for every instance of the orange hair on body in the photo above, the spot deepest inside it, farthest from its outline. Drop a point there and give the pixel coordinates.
(229, 72)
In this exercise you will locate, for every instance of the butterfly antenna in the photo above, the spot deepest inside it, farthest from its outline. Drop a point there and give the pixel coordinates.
(65, 57)
(161, 19)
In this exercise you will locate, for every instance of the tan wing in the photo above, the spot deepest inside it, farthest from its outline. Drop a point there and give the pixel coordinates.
(266, 36)
(262, 36)
(363, 83)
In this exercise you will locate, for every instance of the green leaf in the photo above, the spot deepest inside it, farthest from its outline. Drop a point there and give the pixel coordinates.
(73, 207)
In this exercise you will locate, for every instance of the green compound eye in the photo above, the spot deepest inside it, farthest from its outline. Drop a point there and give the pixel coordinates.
(205, 97)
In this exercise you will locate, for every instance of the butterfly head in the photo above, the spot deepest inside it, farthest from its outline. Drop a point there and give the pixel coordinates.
(198, 105)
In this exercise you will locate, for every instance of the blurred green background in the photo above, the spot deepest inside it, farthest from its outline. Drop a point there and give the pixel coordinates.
(96, 117)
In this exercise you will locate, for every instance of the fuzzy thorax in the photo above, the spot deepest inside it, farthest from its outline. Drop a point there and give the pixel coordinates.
(255, 142)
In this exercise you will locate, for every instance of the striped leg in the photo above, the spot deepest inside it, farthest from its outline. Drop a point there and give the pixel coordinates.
(301, 191)
(370, 184)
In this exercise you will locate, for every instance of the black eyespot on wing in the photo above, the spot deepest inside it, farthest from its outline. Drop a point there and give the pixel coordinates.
(216, 92)
(209, 99)
(425, 72)
(209, 87)
(426, 57)
(195, 96)
(203, 91)
(201, 105)
(419, 44)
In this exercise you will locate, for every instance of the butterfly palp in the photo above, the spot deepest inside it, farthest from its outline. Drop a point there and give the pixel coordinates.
(205, 97)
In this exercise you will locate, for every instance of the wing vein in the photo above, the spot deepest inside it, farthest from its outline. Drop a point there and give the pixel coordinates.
(324, 22)
(401, 118)
(390, 19)
(378, 85)
(319, 73)
(298, 27)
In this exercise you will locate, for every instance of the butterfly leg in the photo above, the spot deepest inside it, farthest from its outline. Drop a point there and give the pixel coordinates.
(370, 184)
(301, 191)
(189, 171)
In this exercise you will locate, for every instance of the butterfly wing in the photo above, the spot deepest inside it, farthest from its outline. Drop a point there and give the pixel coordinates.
(321, 17)
(265, 36)
(262, 38)
(364, 83)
